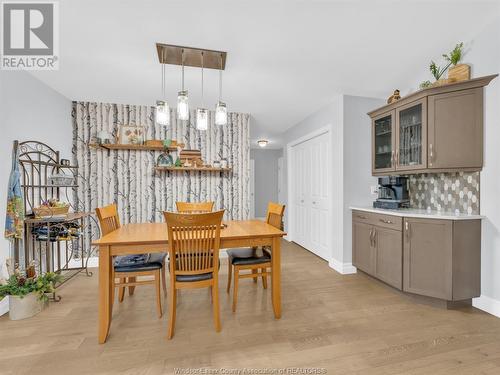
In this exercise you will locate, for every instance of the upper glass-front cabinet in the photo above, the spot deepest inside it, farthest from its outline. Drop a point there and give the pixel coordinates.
(412, 136)
(383, 142)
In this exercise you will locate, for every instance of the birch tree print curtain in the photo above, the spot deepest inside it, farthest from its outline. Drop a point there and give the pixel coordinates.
(128, 177)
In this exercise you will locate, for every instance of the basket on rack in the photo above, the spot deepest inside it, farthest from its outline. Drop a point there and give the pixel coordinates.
(46, 211)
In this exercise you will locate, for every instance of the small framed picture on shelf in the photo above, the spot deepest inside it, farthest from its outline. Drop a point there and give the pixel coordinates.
(131, 135)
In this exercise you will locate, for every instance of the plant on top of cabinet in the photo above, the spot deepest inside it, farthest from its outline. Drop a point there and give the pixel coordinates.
(460, 72)
(457, 72)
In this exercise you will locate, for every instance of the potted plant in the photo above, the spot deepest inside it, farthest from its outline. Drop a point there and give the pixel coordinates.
(437, 72)
(457, 72)
(27, 295)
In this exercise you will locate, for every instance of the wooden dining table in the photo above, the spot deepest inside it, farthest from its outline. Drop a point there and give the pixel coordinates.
(153, 237)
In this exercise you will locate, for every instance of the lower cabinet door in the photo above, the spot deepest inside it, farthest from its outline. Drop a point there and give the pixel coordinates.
(389, 256)
(427, 257)
(362, 247)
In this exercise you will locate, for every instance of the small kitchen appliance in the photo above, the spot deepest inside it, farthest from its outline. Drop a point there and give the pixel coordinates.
(392, 193)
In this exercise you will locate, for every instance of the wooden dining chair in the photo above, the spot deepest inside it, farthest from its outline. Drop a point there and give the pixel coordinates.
(258, 260)
(128, 268)
(194, 243)
(194, 207)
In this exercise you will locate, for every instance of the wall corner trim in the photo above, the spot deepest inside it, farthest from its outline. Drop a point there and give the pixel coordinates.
(342, 268)
(4, 305)
(487, 304)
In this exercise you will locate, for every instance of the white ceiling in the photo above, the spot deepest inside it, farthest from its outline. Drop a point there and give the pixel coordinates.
(286, 59)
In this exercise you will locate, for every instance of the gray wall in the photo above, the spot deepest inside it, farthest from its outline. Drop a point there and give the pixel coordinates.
(356, 161)
(266, 178)
(351, 158)
(29, 110)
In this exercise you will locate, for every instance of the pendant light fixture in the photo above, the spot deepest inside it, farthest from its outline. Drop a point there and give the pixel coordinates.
(202, 113)
(162, 108)
(182, 98)
(220, 108)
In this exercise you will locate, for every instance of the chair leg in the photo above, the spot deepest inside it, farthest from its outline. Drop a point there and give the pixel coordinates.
(164, 278)
(158, 294)
(264, 277)
(229, 274)
(215, 300)
(131, 288)
(121, 292)
(172, 300)
(235, 287)
(255, 272)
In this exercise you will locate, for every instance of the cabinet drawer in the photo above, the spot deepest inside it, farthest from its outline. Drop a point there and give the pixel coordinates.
(380, 220)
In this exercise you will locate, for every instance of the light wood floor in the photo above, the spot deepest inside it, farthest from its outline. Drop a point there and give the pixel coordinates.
(346, 324)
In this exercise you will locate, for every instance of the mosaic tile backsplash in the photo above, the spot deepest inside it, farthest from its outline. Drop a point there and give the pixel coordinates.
(447, 192)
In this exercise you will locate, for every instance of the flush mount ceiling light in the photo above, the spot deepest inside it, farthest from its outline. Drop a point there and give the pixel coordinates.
(162, 108)
(220, 108)
(201, 113)
(182, 98)
(262, 143)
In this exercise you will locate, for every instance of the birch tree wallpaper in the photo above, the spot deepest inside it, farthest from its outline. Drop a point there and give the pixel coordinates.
(128, 178)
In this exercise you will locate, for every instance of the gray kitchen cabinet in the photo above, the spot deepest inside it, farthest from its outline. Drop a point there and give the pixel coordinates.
(389, 256)
(439, 258)
(442, 258)
(362, 244)
(437, 129)
(377, 247)
(456, 130)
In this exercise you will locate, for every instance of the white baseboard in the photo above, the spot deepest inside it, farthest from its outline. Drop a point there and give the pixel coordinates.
(490, 305)
(342, 268)
(4, 306)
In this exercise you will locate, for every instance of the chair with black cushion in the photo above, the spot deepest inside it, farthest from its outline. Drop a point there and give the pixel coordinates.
(194, 207)
(129, 267)
(258, 260)
(194, 243)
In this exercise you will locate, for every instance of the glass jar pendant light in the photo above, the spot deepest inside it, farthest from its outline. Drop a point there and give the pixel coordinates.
(182, 98)
(201, 113)
(162, 108)
(220, 108)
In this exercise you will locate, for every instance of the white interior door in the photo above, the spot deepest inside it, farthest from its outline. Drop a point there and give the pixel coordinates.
(311, 166)
(252, 188)
(319, 196)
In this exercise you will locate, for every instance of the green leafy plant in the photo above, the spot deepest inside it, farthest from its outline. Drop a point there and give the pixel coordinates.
(18, 285)
(455, 55)
(425, 84)
(437, 71)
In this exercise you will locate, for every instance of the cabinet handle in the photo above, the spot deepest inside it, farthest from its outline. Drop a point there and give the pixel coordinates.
(374, 238)
(371, 237)
(361, 217)
(392, 159)
(407, 228)
(431, 153)
(386, 221)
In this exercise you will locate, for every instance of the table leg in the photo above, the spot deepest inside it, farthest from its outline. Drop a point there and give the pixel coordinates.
(276, 276)
(105, 286)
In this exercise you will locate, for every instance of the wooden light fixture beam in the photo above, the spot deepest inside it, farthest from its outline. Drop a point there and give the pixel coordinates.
(170, 54)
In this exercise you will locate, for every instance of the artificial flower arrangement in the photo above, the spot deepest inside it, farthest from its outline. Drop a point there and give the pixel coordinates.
(21, 285)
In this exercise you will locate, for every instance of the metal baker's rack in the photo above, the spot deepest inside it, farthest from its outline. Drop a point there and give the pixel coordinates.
(66, 247)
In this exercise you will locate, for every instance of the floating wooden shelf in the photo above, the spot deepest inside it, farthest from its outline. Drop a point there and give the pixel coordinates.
(110, 146)
(201, 169)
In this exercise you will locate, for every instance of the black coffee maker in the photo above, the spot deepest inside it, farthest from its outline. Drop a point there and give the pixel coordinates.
(392, 192)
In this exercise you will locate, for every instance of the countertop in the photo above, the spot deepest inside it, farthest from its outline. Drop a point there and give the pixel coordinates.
(416, 212)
